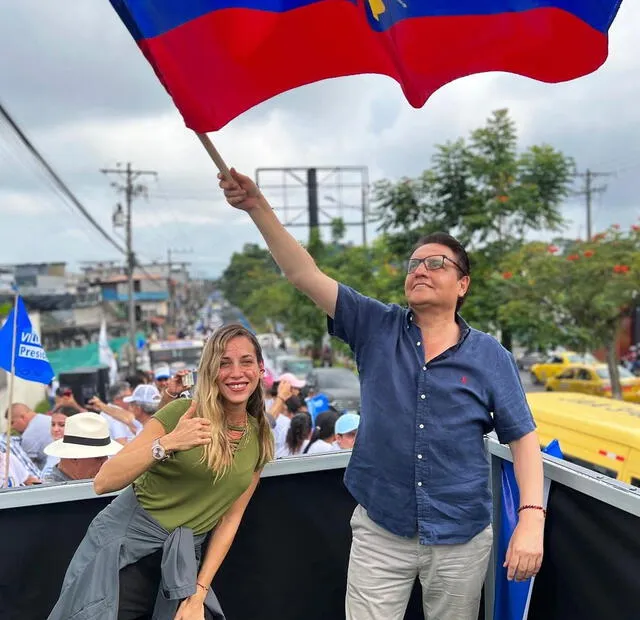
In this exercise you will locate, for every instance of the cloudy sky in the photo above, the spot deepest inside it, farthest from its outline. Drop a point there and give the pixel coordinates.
(79, 88)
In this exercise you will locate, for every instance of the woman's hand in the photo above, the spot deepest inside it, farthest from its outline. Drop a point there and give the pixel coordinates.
(241, 193)
(191, 431)
(191, 608)
(284, 391)
(174, 384)
(96, 404)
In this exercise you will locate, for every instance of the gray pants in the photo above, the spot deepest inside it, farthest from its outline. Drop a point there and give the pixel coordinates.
(383, 568)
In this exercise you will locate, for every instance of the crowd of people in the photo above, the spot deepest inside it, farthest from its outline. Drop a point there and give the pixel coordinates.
(61, 445)
(418, 471)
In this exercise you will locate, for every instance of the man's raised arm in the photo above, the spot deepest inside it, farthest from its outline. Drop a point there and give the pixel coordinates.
(296, 263)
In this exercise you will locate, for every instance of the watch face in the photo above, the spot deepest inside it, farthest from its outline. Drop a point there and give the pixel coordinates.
(158, 452)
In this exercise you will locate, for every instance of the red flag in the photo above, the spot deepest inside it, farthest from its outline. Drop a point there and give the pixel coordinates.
(218, 58)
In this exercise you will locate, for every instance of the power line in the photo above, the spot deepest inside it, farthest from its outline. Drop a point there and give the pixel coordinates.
(59, 183)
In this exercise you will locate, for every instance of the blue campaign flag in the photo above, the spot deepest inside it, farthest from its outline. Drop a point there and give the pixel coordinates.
(512, 597)
(31, 363)
(316, 405)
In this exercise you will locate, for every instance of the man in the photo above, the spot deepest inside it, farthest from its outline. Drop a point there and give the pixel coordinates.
(162, 377)
(18, 474)
(419, 470)
(346, 430)
(83, 449)
(22, 461)
(143, 403)
(35, 430)
(121, 421)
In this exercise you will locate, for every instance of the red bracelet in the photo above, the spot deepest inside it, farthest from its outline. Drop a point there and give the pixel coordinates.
(203, 587)
(532, 507)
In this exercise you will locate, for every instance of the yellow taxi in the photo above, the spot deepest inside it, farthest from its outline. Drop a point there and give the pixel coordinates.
(597, 433)
(595, 380)
(557, 362)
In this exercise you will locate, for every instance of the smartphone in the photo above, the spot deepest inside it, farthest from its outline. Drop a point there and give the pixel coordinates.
(189, 379)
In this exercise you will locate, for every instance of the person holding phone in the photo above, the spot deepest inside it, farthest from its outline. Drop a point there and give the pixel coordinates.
(177, 385)
(192, 470)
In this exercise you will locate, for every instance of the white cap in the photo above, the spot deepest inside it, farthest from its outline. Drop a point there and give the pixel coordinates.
(144, 394)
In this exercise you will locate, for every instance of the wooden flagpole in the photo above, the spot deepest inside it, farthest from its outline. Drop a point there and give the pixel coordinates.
(215, 156)
(12, 379)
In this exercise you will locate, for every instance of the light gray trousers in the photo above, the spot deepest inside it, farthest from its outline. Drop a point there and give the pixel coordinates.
(383, 568)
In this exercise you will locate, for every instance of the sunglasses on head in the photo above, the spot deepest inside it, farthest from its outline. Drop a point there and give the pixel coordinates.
(432, 263)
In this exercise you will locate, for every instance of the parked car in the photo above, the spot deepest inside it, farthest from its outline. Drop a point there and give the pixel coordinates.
(529, 358)
(595, 380)
(557, 362)
(340, 385)
(299, 366)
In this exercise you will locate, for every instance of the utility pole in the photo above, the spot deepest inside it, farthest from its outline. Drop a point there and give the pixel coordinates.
(312, 198)
(170, 287)
(131, 190)
(588, 192)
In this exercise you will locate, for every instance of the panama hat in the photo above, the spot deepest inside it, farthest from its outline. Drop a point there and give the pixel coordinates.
(86, 435)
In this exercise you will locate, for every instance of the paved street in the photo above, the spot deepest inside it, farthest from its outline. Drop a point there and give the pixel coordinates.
(525, 376)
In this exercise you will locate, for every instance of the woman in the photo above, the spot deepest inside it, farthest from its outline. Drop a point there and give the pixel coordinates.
(298, 434)
(323, 435)
(58, 420)
(192, 469)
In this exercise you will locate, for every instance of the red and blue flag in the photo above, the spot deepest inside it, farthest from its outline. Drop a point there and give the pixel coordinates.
(219, 58)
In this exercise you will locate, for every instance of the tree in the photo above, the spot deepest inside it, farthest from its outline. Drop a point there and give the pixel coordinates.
(338, 230)
(252, 267)
(486, 193)
(574, 298)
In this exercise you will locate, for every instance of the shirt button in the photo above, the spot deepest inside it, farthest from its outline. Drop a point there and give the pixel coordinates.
(422, 426)
(424, 368)
(419, 456)
(418, 343)
(419, 484)
(422, 396)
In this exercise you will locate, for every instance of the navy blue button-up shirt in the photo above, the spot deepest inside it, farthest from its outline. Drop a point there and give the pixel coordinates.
(419, 465)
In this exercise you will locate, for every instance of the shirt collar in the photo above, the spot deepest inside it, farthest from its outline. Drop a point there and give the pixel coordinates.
(464, 326)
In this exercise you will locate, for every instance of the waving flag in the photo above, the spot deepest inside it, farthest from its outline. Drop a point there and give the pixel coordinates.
(218, 58)
(106, 355)
(512, 598)
(31, 361)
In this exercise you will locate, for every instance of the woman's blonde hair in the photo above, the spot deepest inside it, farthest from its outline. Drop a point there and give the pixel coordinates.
(219, 453)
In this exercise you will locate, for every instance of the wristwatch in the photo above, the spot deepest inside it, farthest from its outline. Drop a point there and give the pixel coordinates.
(158, 452)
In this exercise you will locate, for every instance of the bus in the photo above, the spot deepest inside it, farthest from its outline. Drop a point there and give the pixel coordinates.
(176, 354)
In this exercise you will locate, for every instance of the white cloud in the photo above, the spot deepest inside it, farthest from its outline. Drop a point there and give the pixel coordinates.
(14, 203)
(86, 110)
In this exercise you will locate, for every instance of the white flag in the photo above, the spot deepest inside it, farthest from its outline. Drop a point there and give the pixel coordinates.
(107, 358)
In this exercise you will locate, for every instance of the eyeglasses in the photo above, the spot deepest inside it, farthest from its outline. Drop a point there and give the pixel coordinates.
(432, 263)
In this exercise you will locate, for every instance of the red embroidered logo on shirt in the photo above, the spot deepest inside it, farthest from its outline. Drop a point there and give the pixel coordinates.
(464, 380)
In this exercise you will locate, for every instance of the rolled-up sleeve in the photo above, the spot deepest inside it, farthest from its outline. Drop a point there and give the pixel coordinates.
(358, 318)
(511, 413)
